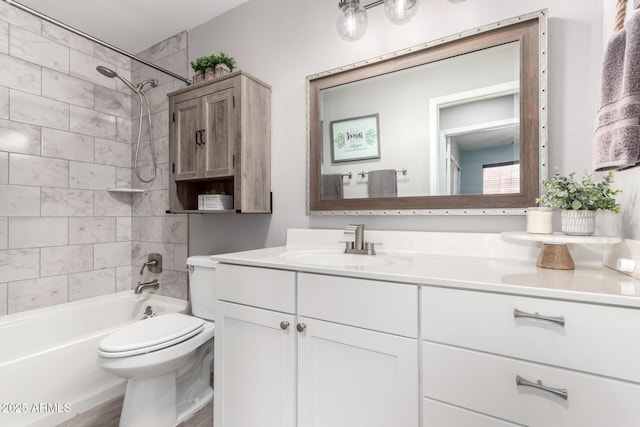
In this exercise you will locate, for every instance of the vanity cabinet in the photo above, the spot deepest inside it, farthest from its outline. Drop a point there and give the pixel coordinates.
(532, 361)
(280, 331)
(220, 141)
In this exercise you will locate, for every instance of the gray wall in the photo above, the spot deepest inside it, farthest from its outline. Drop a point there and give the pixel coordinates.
(282, 45)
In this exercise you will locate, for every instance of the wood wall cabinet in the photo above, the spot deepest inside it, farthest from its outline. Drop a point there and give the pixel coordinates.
(220, 140)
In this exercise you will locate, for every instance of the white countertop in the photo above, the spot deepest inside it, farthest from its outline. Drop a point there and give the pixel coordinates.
(475, 268)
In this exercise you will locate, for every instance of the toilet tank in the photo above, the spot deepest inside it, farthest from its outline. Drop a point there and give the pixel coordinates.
(202, 285)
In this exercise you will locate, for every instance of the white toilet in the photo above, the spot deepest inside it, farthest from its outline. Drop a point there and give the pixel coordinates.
(166, 359)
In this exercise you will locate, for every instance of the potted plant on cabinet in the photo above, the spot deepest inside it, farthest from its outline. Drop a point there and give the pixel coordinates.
(579, 200)
(225, 64)
(199, 66)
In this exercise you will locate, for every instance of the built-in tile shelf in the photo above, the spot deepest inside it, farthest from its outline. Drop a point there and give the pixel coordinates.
(125, 190)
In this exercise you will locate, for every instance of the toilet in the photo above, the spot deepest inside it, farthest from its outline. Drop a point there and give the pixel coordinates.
(166, 359)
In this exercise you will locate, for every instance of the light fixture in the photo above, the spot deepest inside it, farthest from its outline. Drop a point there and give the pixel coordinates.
(400, 11)
(351, 22)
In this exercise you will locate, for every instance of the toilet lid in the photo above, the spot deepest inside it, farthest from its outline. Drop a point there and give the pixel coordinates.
(150, 334)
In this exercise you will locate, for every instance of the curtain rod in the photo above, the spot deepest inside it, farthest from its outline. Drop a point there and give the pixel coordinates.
(95, 40)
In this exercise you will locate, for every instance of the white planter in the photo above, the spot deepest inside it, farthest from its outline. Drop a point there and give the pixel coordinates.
(578, 223)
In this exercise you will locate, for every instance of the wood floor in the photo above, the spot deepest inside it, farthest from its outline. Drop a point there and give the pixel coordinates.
(108, 415)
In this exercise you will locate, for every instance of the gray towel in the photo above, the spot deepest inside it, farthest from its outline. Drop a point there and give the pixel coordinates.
(617, 139)
(331, 186)
(382, 183)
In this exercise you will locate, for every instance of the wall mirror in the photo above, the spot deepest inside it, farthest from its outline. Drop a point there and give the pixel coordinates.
(452, 126)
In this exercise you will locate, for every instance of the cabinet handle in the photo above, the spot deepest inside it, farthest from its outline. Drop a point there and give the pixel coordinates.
(557, 319)
(284, 325)
(197, 135)
(301, 327)
(560, 392)
(202, 141)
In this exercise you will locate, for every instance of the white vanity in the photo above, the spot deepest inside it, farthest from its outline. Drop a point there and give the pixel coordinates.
(438, 329)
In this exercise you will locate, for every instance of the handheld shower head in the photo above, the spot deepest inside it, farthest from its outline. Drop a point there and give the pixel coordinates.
(108, 72)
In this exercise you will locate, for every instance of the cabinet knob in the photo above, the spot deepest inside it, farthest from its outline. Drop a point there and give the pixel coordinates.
(284, 325)
(301, 327)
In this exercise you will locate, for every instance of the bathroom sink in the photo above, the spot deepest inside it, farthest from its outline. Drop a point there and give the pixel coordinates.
(339, 259)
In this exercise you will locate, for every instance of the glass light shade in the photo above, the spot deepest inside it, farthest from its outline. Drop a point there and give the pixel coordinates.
(352, 21)
(401, 11)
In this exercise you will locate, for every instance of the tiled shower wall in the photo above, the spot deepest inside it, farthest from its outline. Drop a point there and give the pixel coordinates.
(65, 138)
(153, 229)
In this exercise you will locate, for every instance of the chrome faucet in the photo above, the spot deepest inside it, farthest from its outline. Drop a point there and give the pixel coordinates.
(154, 284)
(356, 243)
(154, 263)
(148, 264)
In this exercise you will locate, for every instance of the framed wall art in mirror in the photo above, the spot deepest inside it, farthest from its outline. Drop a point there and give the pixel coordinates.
(463, 118)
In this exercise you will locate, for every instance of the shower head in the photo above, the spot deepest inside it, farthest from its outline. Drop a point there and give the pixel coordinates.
(108, 72)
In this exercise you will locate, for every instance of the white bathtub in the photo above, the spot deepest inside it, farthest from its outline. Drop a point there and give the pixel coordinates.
(48, 370)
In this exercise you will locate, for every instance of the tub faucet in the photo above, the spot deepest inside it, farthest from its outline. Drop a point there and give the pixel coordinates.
(154, 284)
(356, 243)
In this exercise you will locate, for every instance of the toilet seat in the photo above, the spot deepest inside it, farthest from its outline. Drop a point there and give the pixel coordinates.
(150, 335)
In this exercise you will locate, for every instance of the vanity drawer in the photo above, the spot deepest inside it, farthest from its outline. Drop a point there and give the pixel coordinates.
(438, 414)
(591, 335)
(487, 383)
(255, 286)
(379, 306)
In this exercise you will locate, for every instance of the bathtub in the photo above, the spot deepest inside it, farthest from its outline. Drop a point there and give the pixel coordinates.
(48, 369)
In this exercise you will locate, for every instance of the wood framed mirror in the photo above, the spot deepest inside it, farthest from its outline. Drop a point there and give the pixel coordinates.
(452, 126)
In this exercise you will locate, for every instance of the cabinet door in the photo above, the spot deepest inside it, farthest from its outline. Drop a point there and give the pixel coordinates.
(254, 369)
(219, 134)
(187, 140)
(352, 377)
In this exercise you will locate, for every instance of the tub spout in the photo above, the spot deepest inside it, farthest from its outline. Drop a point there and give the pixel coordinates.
(154, 284)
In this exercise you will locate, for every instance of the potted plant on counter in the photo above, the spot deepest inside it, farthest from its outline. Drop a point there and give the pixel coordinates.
(579, 200)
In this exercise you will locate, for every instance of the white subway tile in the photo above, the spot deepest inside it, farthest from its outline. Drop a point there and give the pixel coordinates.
(19, 200)
(36, 293)
(84, 66)
(112, 153)
(141, 202)
(107, 255)
(22, 19)
(92, 284)
(111, 204)
(147, 229)
(66, 202)
(139, 253)
(113, 58)
(38, 171)
(38, 232)
(4, 234)
(19, 74)
(123, 178)
(94, 123)
(4, 37)
(165, 47)
(67, 38)
(19, 137)
(92, 230)
(3, 299)
(159, 202)
(4, 167)
(174, 284)
(112, 102)
(123, 229)
(4, 102)
(91, 176)
(167, 252)
(66, 259)
(67, 89)
(67, 145)
(37, 110)
(38, 50)
(176, 229)
(19, 264)
(180, 255)
(123, 131)
(124, 278)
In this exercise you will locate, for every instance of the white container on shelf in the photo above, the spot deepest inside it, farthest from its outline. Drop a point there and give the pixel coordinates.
(215, 202)
(539, 220)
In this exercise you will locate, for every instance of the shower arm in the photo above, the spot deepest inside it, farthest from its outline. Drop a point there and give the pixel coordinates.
(95, 40)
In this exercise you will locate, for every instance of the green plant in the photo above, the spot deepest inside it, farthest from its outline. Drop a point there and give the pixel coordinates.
(200, 63)
(222, 58)
(565, 192)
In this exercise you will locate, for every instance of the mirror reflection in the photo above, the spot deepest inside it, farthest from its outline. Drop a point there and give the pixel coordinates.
(442, 129)
(454, 124)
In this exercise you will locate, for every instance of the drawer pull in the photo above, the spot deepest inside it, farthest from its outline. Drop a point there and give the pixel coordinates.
(560, 392)
(553, 319)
